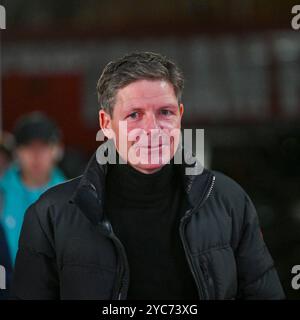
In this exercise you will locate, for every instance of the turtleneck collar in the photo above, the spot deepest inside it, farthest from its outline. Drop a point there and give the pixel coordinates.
(134, 187)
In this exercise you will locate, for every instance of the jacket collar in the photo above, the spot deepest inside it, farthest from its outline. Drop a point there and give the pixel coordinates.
(89, 194)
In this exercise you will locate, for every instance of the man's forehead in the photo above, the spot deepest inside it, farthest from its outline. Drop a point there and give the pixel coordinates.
(142, 92)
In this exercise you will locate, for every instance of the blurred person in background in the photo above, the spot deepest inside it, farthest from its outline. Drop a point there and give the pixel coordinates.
(37, 150)
(6, 150)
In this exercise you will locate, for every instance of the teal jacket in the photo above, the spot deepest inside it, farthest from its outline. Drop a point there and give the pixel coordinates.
(15, 199)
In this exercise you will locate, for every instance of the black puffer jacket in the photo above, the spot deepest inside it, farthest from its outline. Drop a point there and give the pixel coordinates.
(67, 248)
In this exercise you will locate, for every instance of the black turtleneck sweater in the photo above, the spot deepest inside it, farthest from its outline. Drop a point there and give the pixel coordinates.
(145, 211)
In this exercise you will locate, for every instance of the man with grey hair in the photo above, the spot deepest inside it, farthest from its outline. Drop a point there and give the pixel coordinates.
(141, 227)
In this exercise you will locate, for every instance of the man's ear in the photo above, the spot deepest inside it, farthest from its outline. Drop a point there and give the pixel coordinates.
(105, 124)
(181, 109)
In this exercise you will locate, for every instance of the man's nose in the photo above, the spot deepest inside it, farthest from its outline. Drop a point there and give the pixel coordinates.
(151, 123)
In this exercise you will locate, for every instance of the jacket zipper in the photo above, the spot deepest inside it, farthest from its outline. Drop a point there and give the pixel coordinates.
(122, 282)
(183, 222)
(123, 267)
(181, 229)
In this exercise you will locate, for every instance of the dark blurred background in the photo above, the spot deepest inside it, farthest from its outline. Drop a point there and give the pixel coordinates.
(241, 60)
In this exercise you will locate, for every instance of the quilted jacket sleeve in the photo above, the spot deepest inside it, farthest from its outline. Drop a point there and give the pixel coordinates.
(258, 278)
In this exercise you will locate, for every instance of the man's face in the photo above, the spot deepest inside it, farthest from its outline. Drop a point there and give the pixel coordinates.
(37, 158)
(147, 116)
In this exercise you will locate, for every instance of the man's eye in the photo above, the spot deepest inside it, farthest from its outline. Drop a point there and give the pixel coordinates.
(166, 112)
(133, 115)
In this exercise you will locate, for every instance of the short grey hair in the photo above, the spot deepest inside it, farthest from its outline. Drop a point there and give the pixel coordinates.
(132, 67)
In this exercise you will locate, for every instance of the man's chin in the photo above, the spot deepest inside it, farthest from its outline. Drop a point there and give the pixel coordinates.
(147, 168)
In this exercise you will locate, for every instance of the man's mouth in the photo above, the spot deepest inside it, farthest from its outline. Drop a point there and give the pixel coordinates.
(151, 146)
